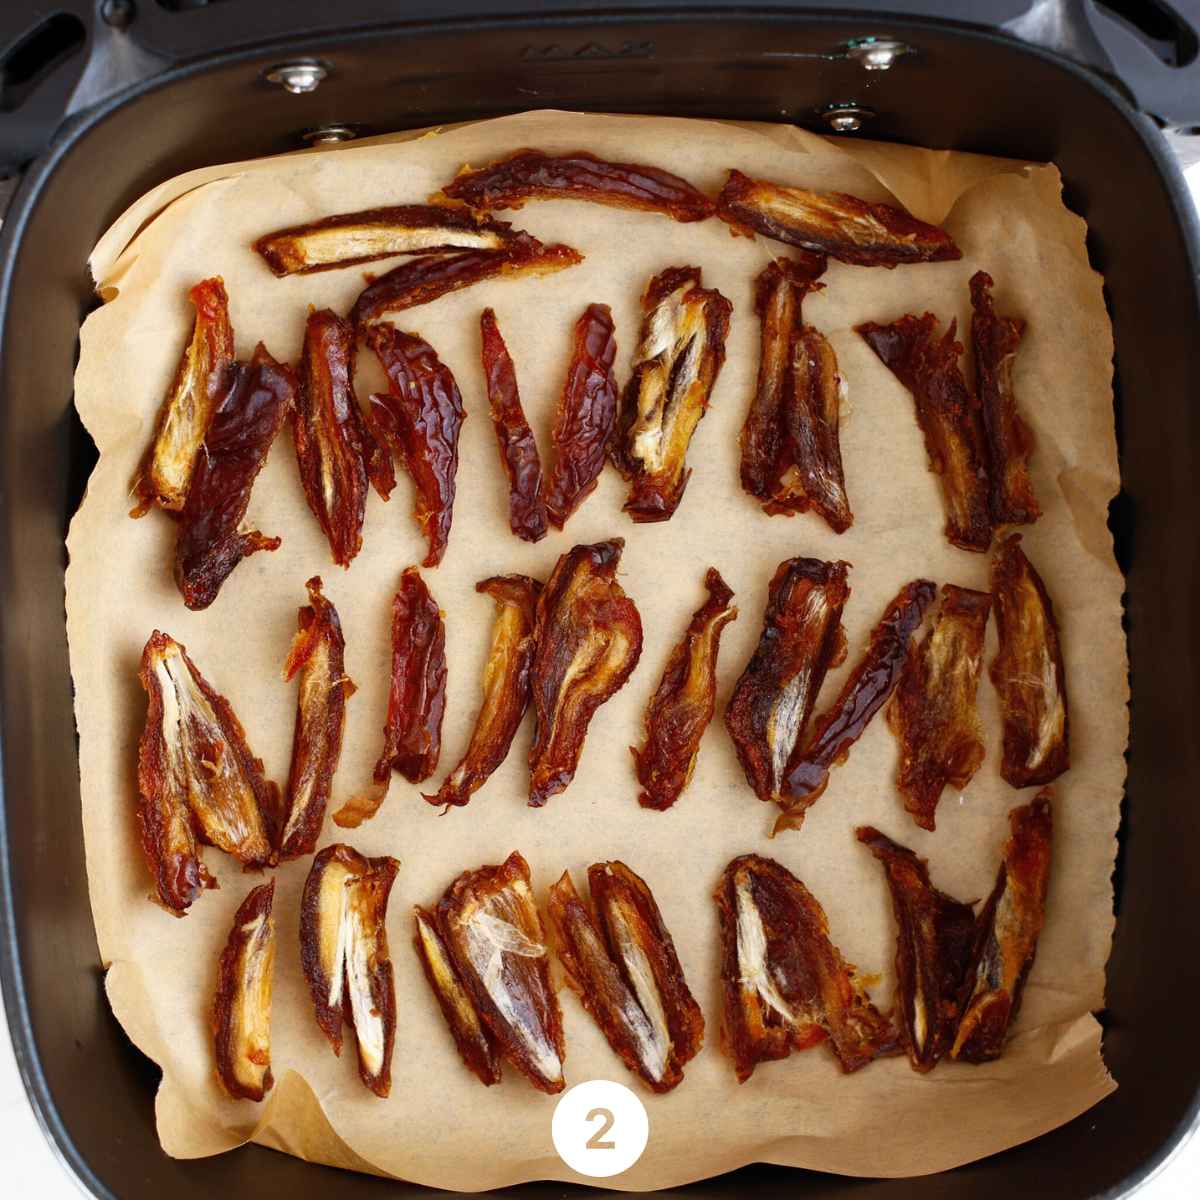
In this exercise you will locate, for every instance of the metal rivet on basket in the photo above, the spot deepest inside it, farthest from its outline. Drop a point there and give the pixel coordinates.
(846, 118)
(876, 54)
(325, 135)
(297, 77)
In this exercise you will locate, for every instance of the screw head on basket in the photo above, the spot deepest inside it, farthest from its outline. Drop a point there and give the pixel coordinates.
(297, 77)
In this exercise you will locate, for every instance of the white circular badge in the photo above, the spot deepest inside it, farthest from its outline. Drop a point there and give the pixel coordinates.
(600, 1128)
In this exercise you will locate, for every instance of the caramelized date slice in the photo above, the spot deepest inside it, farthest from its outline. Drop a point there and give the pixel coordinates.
(675, 368)
(933, 713)
(318, 654)
(475, 1044)
(505, 686)
(785, 985)
(197, 780)
(210, 542)
(833, 223)
(420, 418)
(587, 410)
(494, 934)
(203, 376)
(801, 640)
(644, 951)
(1028, 672)
(518, 447)
(423, 279)
(862, 696)
(948, 416)
(347, 239)
(934, 936)
(682, 706)
(616, 982)
(242, 1008)
(344, 953)
(532, 175)
(589, 637)
(1009, 439)
(334, 448)
(1007, 935)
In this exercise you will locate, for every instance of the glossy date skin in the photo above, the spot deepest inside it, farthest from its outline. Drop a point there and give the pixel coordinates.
(784, 984)
(624, 970)
(1007, 935)
(589, 638)
(506, 680)
(347, 239)
(345, 959)
(833, 223)
(210, 542)
(532, 175)
(494, 934)
(934, 937)
(419, 419)
(1010, 442)
(682, 705)
(204, 374)
(318, 655)
(676, 365)
(241, 1014)
(198, 782)
(336, 452)
(933, 712)
(587, 410)
(1028, 672)
(949, 418)
(425, 278)
(863, 694)
(801, 640)
(518, 447)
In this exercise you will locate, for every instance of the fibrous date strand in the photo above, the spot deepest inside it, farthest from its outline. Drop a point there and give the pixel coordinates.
(197, 780)
(1028, 672)
(1007, 935)
(1009, 440)
(675, 368)
(801, 640)
(589, 637)
(933, 712)
(532, 175)
(344, 954)
(518, 447)
(621, 961)
(934, 937)
(682, 705)
(210, 542)
(833, 223)
(505, 686)
(785, 986)
(490, 925)
(419, 419)
(863, 694)
(791, 451)
(203, 376)
(425, 278)
(347, 239)
(587, 410)
(241, 1016)
(948, 416)
(318, 654)
(336, 451)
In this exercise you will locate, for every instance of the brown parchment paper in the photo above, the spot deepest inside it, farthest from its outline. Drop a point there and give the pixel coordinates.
(440, 1127)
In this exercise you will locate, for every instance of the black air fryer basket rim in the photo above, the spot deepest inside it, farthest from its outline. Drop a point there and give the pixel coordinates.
(33, 185)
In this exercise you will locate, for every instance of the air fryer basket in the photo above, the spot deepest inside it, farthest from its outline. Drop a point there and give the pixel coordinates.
(963, 87)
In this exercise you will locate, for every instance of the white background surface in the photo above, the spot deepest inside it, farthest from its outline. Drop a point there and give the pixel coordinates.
(31, 1169)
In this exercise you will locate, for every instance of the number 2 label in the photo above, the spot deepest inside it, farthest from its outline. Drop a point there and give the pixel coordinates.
(600, 1128)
